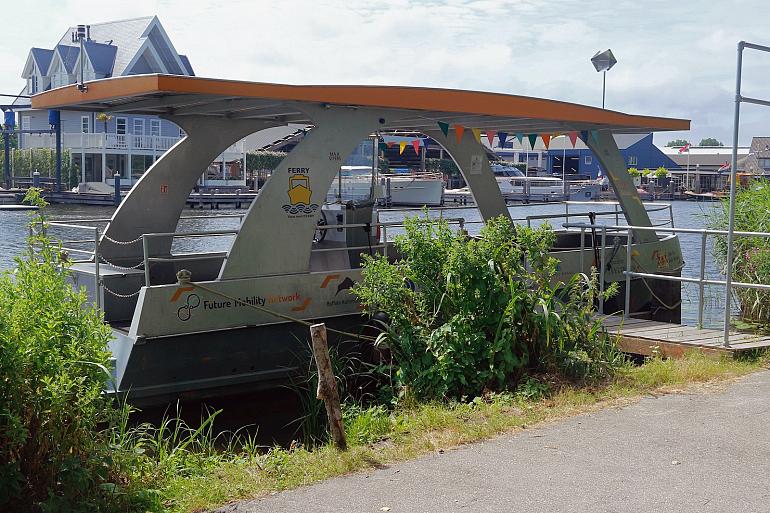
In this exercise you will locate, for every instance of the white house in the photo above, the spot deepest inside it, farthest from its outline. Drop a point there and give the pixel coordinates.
(125, 143)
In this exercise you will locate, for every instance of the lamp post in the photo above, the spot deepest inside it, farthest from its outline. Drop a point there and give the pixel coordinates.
(604, 61)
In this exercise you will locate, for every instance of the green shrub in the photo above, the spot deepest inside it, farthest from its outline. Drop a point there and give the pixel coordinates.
(751, 255)
(469, 314)
(53, 358)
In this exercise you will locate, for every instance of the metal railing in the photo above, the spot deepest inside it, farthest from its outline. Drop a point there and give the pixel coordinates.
(700, 280)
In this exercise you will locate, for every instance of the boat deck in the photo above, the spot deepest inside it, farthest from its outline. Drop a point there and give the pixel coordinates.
(645, 337)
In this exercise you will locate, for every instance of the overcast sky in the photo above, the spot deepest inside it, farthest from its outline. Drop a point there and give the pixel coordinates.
(675, 58)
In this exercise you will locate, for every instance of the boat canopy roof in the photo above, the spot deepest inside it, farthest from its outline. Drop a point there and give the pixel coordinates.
(419, 108)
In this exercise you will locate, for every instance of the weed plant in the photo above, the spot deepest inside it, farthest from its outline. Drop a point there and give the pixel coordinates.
(473, 314)
(751, 255)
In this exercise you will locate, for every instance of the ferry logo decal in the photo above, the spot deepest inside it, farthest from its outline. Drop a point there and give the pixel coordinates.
(300, 194)
(346, 284)
(185, 312)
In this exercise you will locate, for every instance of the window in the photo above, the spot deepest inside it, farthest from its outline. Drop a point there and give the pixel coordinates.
(85, 124)
(155, 127)
(25, 122)
(588, 160)
(764, 163)
(120, 126)
(33, 84)
(138, 126)
(632, 160)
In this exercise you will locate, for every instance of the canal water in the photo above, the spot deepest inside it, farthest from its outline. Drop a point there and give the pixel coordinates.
(13, 230)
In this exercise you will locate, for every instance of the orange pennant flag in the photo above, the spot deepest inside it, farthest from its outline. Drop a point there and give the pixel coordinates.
(546, 139)
(401, 147)
(416, 146)
(459, 130)
(476, 133)
(573, 138)
(490, 137)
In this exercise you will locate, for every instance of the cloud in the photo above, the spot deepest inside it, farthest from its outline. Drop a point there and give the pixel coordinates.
(675, 58)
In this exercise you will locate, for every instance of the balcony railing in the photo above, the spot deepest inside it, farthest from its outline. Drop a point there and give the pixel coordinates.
(77, 142)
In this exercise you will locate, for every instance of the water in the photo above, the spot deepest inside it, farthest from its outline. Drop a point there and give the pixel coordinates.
(13, 230)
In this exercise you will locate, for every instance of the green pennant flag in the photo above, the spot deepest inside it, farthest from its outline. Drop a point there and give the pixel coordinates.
(520, 137)
(595, 135)
(444, 128)
(383, 146)
(532, 140)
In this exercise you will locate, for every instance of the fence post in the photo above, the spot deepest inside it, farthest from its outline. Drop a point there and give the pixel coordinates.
(601, 272)
(702, 277)
(629, 244)
(327, 385)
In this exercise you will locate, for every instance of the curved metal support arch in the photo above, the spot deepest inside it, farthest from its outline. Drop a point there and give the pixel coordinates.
(156, 201)
(471, 157)
(277, 222)
(604, 147)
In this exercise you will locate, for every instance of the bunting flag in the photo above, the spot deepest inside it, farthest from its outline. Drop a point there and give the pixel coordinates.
(573, 138)
(546, 139)
(476, 134)
(459, 130)
(555, 135)
(532, 140)
(491, 138)
(416, 146)
(401, 147)
(390, 144)
(444, 128)
(520, 137)
(382, 146)
(584, 136)
(501, 137)
(595, 135)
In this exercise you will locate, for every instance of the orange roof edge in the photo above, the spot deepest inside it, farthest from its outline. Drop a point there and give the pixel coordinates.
(390, 97)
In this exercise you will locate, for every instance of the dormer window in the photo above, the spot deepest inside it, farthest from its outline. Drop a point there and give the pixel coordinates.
(33, 85)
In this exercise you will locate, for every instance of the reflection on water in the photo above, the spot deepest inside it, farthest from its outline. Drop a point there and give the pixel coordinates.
(13, 230)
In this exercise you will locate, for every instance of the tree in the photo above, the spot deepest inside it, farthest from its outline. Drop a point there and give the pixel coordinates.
(677, 143)
(710, 141)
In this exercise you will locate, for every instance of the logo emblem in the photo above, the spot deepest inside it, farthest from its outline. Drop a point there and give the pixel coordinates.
(185, 312)
(300, 194)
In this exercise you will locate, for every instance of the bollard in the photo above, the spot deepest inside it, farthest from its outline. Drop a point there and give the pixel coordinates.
(117, 188)
(36, 180)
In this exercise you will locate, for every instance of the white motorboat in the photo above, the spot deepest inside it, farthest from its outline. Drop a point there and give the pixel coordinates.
(514, 184)
(401, 189)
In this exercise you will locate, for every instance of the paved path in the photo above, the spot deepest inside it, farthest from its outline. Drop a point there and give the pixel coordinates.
(699, 452)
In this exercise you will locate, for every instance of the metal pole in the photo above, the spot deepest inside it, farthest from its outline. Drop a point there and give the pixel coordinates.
(97, 278)
(701, 286)
(146, 253)
(733, 187)
(629, 243)
(582, 248)
(7, 158)
(601, 271)
(604, 86)
(57, 134)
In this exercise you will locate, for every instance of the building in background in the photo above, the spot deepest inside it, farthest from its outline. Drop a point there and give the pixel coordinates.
(118, 143)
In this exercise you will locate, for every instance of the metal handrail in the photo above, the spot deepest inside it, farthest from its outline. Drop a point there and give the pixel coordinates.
(701, 280)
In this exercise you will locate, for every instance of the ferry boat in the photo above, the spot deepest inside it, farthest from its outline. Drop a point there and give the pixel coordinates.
(196, 324)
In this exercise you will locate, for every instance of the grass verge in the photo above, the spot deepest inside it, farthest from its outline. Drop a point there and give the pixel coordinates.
(378, 437)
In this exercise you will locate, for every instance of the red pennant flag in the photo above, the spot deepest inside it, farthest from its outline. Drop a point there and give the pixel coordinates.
(459, 130)
(573, 138)
(546, 139)
(490, 137)
(401, 147)
(390, 144)
(416, 146)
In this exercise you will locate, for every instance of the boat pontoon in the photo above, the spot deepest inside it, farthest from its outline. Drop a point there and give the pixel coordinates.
(201, 323)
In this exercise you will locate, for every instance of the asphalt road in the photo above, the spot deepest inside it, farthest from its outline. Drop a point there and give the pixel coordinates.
(700, 452)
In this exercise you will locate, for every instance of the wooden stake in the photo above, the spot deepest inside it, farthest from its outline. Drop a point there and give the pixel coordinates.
(327, 385)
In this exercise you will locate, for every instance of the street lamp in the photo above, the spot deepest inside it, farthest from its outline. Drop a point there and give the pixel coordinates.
(604, 61)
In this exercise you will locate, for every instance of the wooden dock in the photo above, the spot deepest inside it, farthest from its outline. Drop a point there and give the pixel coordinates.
(645, 337)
